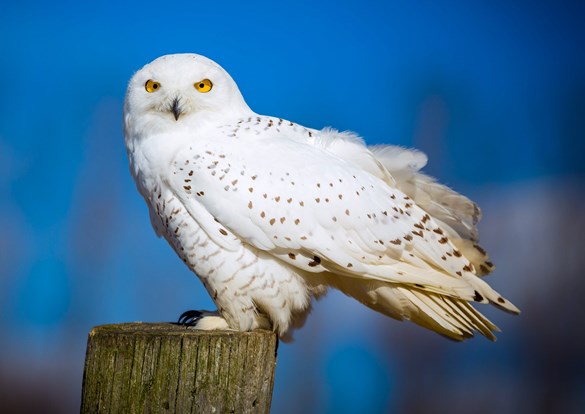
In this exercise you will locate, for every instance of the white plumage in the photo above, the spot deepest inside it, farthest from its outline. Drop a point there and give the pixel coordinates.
(269, 213)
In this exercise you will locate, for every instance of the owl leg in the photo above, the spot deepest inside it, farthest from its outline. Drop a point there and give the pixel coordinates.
(204, 320)
(212, 320)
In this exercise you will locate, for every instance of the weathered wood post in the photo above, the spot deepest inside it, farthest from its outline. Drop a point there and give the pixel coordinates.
(162, 367)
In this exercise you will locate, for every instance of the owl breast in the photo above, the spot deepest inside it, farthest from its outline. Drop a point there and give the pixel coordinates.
(248, 286)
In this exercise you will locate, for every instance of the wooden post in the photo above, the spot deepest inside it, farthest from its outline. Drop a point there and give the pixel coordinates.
(162, 367)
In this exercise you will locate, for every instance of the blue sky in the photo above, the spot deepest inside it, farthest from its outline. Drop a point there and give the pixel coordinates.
(494, 92)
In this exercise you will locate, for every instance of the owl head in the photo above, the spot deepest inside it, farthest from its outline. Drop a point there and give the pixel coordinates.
(176, 88)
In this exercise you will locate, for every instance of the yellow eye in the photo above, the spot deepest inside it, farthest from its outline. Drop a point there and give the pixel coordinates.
(204, 86)
(151, 86)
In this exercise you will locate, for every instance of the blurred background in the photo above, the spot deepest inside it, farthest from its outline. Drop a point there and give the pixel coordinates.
(493, 92)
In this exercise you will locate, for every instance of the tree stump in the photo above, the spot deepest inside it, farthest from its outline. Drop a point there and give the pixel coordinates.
(162, 367)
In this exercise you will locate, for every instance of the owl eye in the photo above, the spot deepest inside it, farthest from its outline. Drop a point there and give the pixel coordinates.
(204, 86)
(151, 86)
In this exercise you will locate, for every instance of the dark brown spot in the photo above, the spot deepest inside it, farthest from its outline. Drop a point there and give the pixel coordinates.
(277, 199)
(396, 241)
(479, 249)
(262, 214)
(501, 300)
(408, 237)
(340, 196)
(459, 273)
(292, 256)
(419, 226)
(251, 189)
(426, 218)
(349, 265)
(457, 253)
(490, 264)
(301, 203)
(234, 182)
(250, 205)
(483, 268)
(467, 268)
(191, 173)
(438, 231)
(346, 212)
(317, 199)
(418, 285)
(297, 221)
(477, 297)
(272, 221)
(443, 240)
(282, 220)
(222, 231)
(315, 262)
(418, 233)
(289, 200)
(254, 177)
(187, 187)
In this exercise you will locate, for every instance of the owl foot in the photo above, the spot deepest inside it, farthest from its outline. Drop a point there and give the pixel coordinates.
(204, 320)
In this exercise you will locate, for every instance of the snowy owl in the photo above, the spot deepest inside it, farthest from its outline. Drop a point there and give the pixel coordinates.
(269, 214)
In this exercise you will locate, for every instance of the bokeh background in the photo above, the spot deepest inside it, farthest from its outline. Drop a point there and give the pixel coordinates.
(493, 92)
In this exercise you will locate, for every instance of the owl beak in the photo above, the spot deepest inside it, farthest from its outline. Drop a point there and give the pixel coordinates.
(176, 108)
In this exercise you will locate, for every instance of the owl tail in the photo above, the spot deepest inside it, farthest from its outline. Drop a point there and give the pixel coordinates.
(452, 317)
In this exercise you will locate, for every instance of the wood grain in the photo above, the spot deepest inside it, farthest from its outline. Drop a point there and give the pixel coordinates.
(162, 367)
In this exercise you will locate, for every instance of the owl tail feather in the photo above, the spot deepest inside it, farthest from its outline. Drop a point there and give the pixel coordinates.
(451, 317)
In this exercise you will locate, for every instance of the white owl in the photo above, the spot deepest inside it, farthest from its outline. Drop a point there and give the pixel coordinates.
(269, 213)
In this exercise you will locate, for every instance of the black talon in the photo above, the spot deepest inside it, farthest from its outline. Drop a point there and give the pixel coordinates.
(190, 317)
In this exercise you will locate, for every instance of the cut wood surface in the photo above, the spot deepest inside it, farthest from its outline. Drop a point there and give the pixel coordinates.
(163, 367)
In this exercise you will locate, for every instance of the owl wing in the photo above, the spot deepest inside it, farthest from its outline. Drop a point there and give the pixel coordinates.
(280, 192)
(457, 214)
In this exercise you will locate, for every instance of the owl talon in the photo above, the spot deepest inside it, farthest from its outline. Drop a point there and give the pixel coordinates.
(190, 317)
(203, 320)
